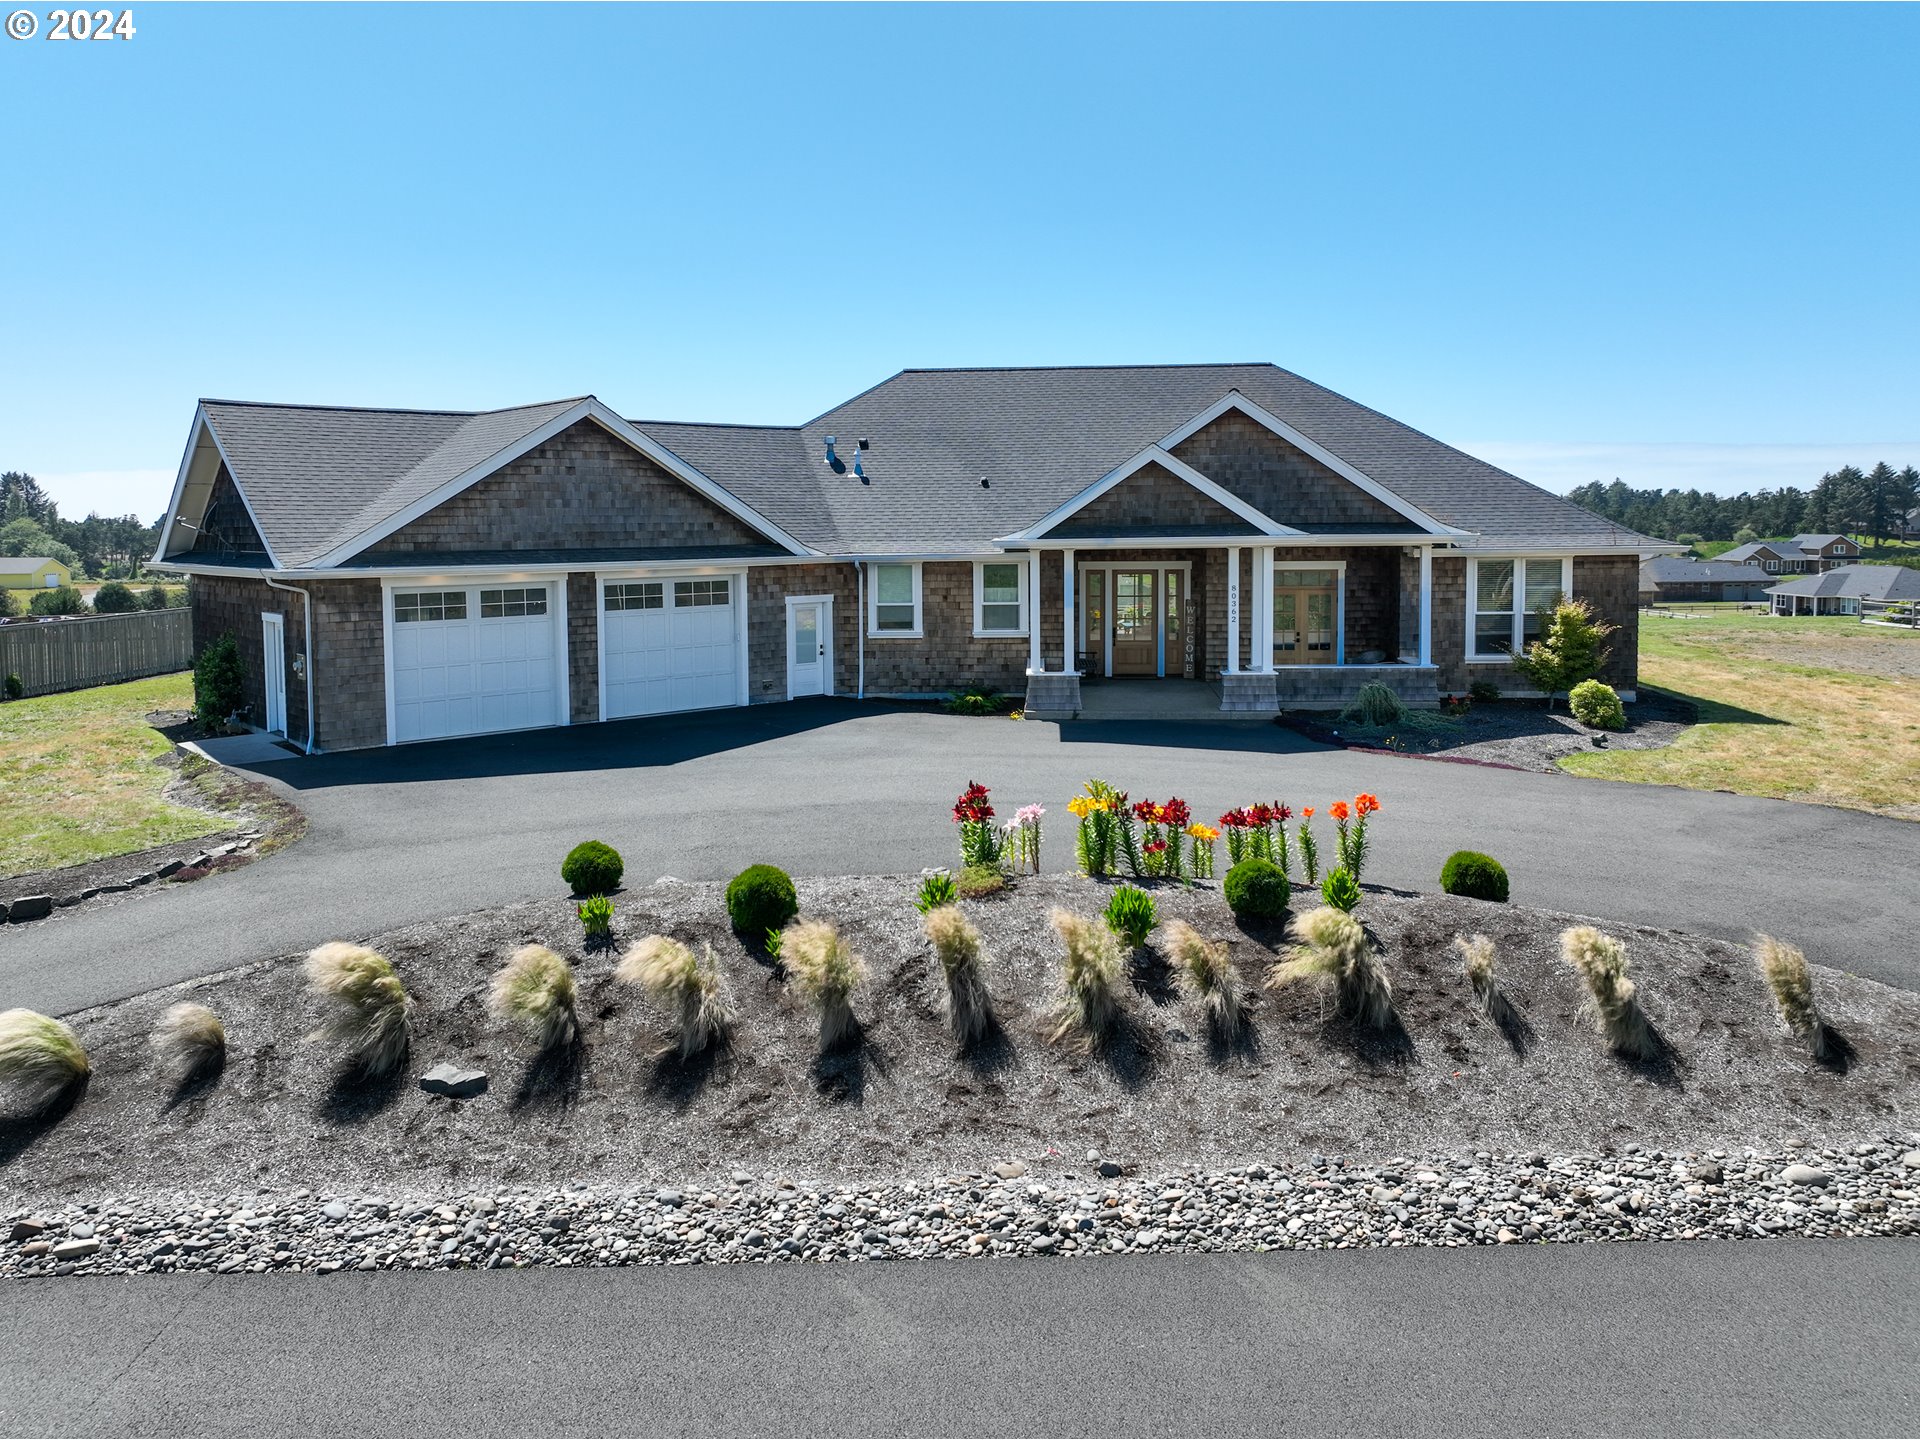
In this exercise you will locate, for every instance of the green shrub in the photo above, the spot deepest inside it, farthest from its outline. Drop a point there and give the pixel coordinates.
(219, 682)
(1375, 705)
(979, 700)
(1257, 889)
(977, 881)
(41, 1061)
(1596, 703)
(114, 598)
(1476, 876)
(1483, 692)
(1340, 889)
(593, 868)
(61, 600)
(13, 688)
(935, 891)
(760, 898)
(534, 990)
(596, 918)
(1131, 914)
(1571, 649)
(154, 597)
(9, 607)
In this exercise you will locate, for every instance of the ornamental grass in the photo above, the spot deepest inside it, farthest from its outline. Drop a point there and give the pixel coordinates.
(368, 1013)
(688, 987)
(1478, 958)
(1090, 977)
(1613, 998)
(1329, 942)
(42, 1062)
(534, 991)
(956, 944)
(1790, 978)
(827, 970)
(1209, 973)
(188, 1042)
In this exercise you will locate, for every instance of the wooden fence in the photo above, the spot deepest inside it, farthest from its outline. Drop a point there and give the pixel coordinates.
(98, 650)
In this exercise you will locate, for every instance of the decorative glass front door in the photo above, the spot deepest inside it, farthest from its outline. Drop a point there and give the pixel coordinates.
(1136, 622)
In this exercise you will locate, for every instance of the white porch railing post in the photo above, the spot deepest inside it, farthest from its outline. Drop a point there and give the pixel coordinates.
(1262, 656)
(1426, 605)
(1233, 609)
(1034, 663)
(1069, 651)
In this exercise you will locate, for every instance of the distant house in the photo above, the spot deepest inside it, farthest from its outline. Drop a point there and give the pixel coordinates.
(1801, 555)
(32, 572)
(1665, 579)
(1910, 524)
(1840, 591)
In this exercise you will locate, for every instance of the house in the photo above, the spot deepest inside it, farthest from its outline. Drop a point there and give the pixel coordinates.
(1801, 555)
(397, 575)
(1839, 592)
(32, 572)
(1665, 579)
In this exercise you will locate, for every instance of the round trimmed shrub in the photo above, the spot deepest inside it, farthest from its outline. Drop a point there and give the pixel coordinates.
(113, 598)
(1477, 876)
(760, 898)
(1595, 703)
(1257, 889)
(593, 868)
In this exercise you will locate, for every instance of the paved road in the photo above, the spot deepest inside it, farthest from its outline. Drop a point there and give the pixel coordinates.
(1721, 1337)
(833, 787)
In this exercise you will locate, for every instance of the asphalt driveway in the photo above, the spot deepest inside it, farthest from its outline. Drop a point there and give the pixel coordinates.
(838, 787)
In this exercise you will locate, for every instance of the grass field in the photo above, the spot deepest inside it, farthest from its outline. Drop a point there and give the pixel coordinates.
(1824, 710)
(78, 780)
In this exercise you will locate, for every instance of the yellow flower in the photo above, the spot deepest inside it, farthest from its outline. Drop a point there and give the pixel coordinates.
(1079, 806)
(1203, 832)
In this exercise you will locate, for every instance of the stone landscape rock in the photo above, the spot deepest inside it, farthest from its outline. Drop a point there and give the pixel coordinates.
(454, 1082)
(30, 907)
(171, 867)
(1805, 1175)
(29, 1227)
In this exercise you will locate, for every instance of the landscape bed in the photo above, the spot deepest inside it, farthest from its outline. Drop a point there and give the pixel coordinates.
(902, 1107)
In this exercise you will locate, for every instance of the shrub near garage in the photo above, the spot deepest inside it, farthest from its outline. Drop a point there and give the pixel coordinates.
(593, 868)
(1476, 876)
(1597, 704)
(759, 899)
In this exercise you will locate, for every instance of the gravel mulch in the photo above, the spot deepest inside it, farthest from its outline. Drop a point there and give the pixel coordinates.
(1167, 1094)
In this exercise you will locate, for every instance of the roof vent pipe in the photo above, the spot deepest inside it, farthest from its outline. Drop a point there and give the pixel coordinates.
(832, 459)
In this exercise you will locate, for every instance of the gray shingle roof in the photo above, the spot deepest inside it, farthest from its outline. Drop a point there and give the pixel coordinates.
(25, 562)
(316, 476)
(1678, 569)
(1859, 582)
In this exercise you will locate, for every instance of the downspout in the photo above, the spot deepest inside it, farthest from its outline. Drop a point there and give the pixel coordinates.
(860, 625)
(307, 636)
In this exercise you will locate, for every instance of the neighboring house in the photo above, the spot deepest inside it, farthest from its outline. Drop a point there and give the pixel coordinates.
(1839, 592)
(1665, 579)
(416, 574)
(32, 572)
(1802, 555)
(1910, 525)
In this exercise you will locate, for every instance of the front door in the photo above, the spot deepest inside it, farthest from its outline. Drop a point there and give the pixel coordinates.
(1306, 610)
(273, 667)
(1136, 622)
(806, 648)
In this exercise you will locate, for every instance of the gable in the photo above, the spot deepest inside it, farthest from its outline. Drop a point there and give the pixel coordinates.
(1278, 478)
(225, 526)
(581, 489)
(1151, 501)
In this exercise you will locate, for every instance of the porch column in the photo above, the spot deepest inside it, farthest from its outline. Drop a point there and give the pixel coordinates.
(1034, 663)
(1233, 609)
(1426, 605)
(1262, 656)
(1069, 658)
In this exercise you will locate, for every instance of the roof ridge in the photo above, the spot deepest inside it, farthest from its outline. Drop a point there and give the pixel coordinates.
(389, 409)
(715, 424)
(1140, 365)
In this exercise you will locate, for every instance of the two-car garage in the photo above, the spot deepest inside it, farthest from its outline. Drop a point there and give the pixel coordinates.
(472, 659)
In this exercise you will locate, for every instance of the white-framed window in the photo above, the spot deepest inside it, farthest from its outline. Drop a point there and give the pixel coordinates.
(702, 592)
(505, 604)
(636, 595)
(893, 600)
(999, 597)
(1508, 600)
(429, 605)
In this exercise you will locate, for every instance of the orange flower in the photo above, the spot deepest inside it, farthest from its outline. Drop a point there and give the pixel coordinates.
(1307, 813)
(1338, 810)
(1364, 805)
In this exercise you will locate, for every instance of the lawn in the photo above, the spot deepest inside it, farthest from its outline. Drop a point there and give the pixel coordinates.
(78, 780)
(1824, 710)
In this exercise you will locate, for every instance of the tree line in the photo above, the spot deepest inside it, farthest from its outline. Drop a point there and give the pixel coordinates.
(100, 547)
(1848, 501)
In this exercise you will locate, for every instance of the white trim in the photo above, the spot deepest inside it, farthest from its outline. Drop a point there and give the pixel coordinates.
(1036, 657)
(202, 421)
(1426, 605)
(556, 615)
(1153, 455)
(1234, 400)
(1339, 614)
(1233, 610)
(979, 590)
(873, 605)
(1069, 624)
(586, 409)
(1471, 608)
(825, 602)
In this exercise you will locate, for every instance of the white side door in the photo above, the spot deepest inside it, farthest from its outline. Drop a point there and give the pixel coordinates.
(273, 669)
(809, 622)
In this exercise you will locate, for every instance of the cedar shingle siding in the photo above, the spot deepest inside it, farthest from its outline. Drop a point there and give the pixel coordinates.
(1277, 478)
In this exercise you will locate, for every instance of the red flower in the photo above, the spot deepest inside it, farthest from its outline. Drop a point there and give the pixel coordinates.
(1175, 812)
(972, 806)
(1235, 820)
(1144, 810)
(1260, 815)
(1155, 847)
(1285, 812)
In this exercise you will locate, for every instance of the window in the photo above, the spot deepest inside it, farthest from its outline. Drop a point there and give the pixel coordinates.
(999, 598)
(636, 595)
(896, 600)
(702, 592)
(1507, 601)
(502, 604)
(430, 605)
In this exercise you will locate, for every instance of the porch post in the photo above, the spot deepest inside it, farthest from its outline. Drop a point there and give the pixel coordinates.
(1426, 605)
(1069, 657)
(1233, 609)
(1262, 656)
(1034, 663)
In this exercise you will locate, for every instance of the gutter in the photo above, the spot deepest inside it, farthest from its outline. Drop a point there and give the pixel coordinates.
(307, 597)
(860, 626)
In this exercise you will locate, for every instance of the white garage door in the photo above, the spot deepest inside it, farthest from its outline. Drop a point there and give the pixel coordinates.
(470, 661)
(669, 645)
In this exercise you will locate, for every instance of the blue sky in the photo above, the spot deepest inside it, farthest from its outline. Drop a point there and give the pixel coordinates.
(1674, 243)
